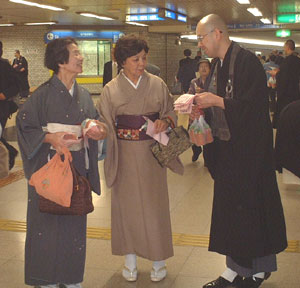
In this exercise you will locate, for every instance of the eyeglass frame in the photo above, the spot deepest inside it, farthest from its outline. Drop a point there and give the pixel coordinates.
(200, 38)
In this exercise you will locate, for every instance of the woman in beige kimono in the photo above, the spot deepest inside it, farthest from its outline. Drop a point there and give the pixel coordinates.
(140, 220)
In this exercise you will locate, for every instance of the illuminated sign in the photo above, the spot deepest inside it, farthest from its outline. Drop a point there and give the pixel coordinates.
(283, 33)
(181, 18)
(143, 17)
(288, 18)
(170, 14)
(114, 35)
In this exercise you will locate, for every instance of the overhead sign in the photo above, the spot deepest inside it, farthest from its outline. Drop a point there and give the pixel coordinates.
(113, 35)
(181, 18)
(252, 26)
(288, 18)
(283, 33)
(143, 17)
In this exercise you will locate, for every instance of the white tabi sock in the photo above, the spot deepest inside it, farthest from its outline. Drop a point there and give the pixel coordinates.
(260, 275)
(158, 264)
(130, 261)
(229, 275)
(49, 286)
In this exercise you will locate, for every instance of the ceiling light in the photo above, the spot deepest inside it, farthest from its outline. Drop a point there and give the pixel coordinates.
(242, 40)
(136, 23)
(265, 20)
(41, 23)
(243, 1)
(50, 7)
(6, 25)
(255, 11)
(92, 15)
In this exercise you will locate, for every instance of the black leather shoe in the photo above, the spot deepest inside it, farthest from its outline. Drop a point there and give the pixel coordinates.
(254, 283)
(196, 152)
(223, 283)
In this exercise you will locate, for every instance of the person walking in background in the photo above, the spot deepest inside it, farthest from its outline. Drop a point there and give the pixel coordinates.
(287, 144)
(287, 80)
(55, 247)
(21, 67)
(111, 69)
(197, 86)
(247, 224)
(186, 71)
(9, 87)
(140, 220)
(271, 81)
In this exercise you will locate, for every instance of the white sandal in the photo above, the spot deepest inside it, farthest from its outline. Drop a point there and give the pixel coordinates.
(158, 275)
(129, 275)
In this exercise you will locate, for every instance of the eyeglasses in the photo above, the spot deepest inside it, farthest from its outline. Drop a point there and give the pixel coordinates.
(201, 37)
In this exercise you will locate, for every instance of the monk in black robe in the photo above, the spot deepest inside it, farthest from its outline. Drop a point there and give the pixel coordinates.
(247, 219)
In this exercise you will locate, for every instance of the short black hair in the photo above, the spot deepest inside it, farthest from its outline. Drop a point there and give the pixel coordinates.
(57, 53)
(18, 51)
(291, 44)
(203, 61)
(127, 46)
(187, 52)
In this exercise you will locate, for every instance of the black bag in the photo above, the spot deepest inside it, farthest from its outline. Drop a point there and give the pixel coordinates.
(179, 142)
(81, 200)
(13, 107)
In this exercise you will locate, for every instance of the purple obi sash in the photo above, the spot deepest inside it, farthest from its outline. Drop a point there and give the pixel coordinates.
(128, 126)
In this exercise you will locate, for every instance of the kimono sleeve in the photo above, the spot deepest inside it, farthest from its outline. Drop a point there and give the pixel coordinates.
(29, 127)
(167, 109)
(106, 111)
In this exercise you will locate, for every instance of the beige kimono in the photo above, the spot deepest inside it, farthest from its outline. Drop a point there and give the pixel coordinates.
(140, 204)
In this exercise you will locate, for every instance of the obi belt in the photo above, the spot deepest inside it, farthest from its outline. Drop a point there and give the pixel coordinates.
(130, 127)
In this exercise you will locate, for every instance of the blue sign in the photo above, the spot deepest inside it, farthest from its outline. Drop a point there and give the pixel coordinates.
(181, 18)
(143, 17)
(143, 10)
(113, 35)
(170, 14)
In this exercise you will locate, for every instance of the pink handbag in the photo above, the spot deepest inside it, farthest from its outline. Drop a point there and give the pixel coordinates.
(54, 181)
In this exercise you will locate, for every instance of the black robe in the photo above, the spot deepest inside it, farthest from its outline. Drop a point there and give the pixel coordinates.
(247, 217)
(287, 81)
(55, 245)
(288, 139)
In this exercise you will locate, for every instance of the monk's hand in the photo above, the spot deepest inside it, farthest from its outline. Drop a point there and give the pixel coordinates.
(98, 132)
(208, 99)
(160, 125)
(196, 112)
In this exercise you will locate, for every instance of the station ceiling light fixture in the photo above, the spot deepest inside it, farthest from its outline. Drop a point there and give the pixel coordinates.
(254, 11)
(93, 15)
(265, 20)
(7, 25)
(243, 1)
(40, 23)
(43, 6)
(241, 40)
(136, 23)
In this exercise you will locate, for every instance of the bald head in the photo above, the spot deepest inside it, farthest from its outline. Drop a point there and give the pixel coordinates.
(214, 21)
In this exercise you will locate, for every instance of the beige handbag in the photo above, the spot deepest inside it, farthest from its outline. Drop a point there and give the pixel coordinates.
(4, 159)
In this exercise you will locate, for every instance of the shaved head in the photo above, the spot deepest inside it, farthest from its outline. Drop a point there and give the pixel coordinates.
(214, 21)
(212, 35)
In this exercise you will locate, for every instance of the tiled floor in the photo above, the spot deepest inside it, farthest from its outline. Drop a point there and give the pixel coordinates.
(191, 267)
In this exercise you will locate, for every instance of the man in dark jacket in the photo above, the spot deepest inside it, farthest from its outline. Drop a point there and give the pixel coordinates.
(287, 80)
(20, 65)
(247, 222)
(186, 71)
(8, 88)
(111, 69)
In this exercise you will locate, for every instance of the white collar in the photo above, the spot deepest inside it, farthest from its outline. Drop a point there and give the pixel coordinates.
(71, 91)
(135, 86)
